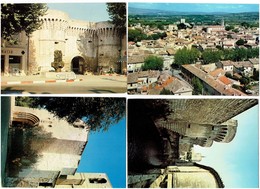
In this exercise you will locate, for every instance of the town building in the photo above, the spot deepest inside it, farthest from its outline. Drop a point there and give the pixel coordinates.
(255, 62)
(211, 85)
(153, 82)
(85, 46)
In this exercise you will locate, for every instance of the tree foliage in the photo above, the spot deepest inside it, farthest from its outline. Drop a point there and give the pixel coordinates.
(245, 24)
(165, 92)
(198, 87)
(235, 30)
(239, 54)
(117, 13)
(255, 75)
(153, 63)
(228, 28)
(211, 56)
(24, 101)
(16, 18)
(137, 35)
(186, 56)
(182, 26)
(244, 80)
(240, 42)
(98, 113)
(229, 36)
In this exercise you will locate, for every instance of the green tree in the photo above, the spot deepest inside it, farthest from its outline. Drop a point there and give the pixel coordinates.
(165, 92)
(245, 24)
(229, 36)
(24, 101)
(133, 35)
(181, 26)
(211, 56)
(198, 87)
(240, 54)
(163, 35)
(228, 54)
(255, 75)
(235, 30)
(160, 26)
(137, 35)
(186, 56)
(98, 113)
(155, 36)
(237, 87)
(153, 63)
(244, 80)
(240, 42)
(16, 18)
(117, 13)
(229, 28)
(253, 52)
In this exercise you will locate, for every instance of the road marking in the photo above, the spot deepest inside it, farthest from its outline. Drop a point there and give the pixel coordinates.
(38, 82)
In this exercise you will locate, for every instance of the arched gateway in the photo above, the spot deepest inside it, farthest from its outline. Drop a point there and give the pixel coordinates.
(77, 65)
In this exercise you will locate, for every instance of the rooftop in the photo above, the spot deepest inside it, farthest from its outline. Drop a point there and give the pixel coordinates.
(218, 86)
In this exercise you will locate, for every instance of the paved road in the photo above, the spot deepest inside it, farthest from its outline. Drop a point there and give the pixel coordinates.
(89, 85)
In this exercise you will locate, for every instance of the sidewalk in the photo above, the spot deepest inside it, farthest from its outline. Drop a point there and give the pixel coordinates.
(14, 80)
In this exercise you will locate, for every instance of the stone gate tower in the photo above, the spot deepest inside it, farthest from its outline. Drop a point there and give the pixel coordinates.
(86, 46)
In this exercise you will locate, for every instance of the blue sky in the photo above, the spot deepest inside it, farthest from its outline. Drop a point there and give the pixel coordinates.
(195, 7)
(94, 12)
(237, 161)
(105, 152)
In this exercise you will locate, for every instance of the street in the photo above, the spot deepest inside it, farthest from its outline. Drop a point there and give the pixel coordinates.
(88, 85)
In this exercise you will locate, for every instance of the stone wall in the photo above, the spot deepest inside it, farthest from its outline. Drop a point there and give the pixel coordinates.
(97, 43)
(40, 152)
(209, 111)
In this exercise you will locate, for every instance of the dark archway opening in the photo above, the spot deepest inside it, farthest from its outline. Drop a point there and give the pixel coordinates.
(77, 64)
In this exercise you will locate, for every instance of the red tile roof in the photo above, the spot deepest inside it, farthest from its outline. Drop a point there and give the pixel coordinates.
(224, 80)
(218, 86)
(217, 72)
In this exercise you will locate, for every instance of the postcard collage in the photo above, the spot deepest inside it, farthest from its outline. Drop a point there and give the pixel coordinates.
(130, 95)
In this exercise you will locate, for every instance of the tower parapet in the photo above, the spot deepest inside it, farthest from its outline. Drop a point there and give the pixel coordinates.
(108, 46)
(85, 45)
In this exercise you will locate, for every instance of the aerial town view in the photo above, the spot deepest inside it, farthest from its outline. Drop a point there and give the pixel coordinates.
(193, 49)
(58, 48)
(165, 137)
(58, 146)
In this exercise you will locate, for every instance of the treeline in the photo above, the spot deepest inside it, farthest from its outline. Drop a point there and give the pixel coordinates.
(252, 19)
(190, 56)
(137, 35)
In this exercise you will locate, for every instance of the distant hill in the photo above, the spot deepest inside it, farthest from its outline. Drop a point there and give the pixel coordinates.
(139, 11)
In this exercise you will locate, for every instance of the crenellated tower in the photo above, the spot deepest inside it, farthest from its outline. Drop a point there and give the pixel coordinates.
(108, 46)
(86, 46)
